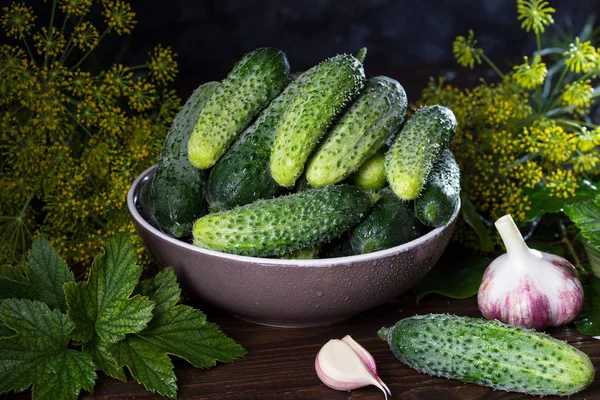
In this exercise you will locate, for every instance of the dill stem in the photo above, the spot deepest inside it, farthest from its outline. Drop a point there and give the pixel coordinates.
(491, 64)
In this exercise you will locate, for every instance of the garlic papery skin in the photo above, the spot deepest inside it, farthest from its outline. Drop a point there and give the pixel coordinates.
(527, 287)
(341, 368)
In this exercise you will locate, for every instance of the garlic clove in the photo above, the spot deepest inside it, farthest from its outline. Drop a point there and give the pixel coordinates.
(528, 287)
(341, 368)
(366, 358)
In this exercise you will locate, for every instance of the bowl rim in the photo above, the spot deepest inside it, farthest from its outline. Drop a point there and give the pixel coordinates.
(275, 262)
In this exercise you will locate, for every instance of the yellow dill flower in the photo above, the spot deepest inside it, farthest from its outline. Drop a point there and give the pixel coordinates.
(28, 93)
(536, 15)
(557, 144)
(112, 120)
(143, 96)
(578, 94)
(527, 174)
(75, 7)
(581, 57)
(465, 52)
(562, 183)
(586, 162)
(118, 80)
(85, 36)
(87, 113)
(119, 16)
(55, 73)
(588, 140)
(101, 94)
(529, 76)
(50, 43)
(79, 83)
(12, 59)
(162, 64)
(17, 20)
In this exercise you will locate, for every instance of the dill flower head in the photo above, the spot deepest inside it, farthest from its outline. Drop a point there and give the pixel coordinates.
(75, 7)
(587, 140)
(585, 162)
(162, 64)
(118, 80)
(17, 20)
(562, 183)
(529, 76)
(528, 174)
(578, 94)
(581, 57)
(536, 15)
(50, 43)
(143, 96)
(557, 144)
(119, 16)
(85, 36)
(79, 83)
(13, 60)
(465, 52)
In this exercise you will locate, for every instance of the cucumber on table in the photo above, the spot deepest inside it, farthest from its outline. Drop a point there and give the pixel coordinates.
(173, 198)
(281, 225)
(440, 196)
(363, 129)
(320, 95)
(391, 223)
(254, 81)
(410, 158)
(489, 353)
(371, 175)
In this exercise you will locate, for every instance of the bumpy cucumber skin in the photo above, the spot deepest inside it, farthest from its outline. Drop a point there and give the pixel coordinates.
(436, 204)
(410, 158)
(363, 129)
(390, 223)
(489, 353)
(242, 175)
(321, 94)
(281, 225)
(173, 198)
(371, 175)
(254, 81)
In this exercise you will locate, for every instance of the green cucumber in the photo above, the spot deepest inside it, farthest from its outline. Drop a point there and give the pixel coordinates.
(242, 175)
(281, 225)
(410, 158)
(370, 175)
(173, 199)
(390, 223)
(339, 247)
(254, 81)
(320, 94)
(308, 253)
(489, 353)
(362, 130)
(440, 196)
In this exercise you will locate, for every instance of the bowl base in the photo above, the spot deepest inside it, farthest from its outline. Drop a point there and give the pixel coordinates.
(289, 324)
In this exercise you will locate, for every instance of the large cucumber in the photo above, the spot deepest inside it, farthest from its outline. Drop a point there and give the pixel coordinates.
(410, 159)
(362, 130)
(438, 201)
(321, 93)
(254, 81)
(173, 199)
(391, 222)
(489, 353)
(283, 224)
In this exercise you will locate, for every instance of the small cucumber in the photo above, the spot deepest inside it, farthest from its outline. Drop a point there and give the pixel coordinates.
(489, 353)
(362, 130)
(172, 200)
(281, 225)
(370, 175)
(254, 81)
(436, 204)
(390, 223)
(410, 159)
(309, 253)
(320, 94)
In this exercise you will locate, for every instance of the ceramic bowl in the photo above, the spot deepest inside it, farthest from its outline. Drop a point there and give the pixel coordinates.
(292, 293)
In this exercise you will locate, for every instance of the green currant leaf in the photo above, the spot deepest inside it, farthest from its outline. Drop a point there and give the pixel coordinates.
(37, 354)
(98, 350)
(586, 216)
(102, 306)
(542, 202)
(175, 329)
(42, 278)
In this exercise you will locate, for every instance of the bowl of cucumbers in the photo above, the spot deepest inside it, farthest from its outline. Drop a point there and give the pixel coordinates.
(300, 201)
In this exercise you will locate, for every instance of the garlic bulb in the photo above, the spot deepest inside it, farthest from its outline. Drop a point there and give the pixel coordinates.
(345, 365)
(528, 287)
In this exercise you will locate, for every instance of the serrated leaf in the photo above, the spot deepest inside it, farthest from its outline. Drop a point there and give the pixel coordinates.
(588, 321)
(41, 279)
(105, 360)
(459, 281)
(102, 306)
(175, 329)
(37, 354)
(543, 202)
(593, 257)
(586, 216)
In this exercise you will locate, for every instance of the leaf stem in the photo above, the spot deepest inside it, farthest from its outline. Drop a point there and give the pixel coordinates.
(50, 29)
(565, 240)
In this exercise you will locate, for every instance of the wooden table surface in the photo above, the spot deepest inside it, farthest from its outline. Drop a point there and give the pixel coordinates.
(280, 362)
